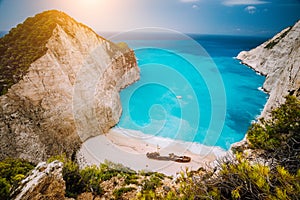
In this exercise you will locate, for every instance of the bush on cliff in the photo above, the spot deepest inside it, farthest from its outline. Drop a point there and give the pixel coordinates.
(12, 171)
(238, 178)
(89, 178)
(279, 136)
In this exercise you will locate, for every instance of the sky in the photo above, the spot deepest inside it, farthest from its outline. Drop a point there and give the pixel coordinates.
(229, 17)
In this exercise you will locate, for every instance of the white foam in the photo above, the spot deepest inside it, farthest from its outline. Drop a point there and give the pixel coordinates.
(162, 142)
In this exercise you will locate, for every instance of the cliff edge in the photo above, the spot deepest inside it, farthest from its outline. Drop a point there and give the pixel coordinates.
(60, 85)
(279, 60)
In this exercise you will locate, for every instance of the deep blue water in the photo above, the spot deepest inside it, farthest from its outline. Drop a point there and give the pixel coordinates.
(193, 89)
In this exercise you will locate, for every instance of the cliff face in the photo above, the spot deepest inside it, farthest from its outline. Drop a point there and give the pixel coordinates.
(279, 60)
(67, 95)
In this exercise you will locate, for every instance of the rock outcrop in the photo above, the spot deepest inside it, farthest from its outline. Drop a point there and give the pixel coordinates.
(67, 95)
(279, 60)
(44, 182)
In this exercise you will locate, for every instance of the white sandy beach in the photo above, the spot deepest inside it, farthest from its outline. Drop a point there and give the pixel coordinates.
(129, 148)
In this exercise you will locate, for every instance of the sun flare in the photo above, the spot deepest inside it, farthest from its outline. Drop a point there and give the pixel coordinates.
(90, 2)
(86, 9)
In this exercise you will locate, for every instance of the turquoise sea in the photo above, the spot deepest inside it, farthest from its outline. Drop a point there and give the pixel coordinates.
(192, 88)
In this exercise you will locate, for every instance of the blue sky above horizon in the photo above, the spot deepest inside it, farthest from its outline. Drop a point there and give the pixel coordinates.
(229, 17)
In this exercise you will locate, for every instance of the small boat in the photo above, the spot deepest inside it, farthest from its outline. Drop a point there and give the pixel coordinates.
(179, 97)
(157, 156)
(171, 157)
(183, 159)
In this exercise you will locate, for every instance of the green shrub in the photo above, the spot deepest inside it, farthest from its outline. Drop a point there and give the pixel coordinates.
(131, 179)
(280, 136)
(92, 177)
(12, 171)
(240, 179)
(119, 192)
(89, 178)
(153, 182)
(75, 184)
(149, 195)
(4, 188)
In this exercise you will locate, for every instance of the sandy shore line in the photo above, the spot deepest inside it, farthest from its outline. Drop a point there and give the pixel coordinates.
(129, 148)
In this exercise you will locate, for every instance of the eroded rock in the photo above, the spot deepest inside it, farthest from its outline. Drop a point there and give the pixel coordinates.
(44, 182)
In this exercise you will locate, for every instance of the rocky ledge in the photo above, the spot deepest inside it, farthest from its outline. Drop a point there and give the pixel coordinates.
(279, 60)
(44, 182)
(65, 96)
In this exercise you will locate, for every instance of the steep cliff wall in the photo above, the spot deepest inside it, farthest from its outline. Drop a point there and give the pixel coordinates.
(279, 60)
(67, 95)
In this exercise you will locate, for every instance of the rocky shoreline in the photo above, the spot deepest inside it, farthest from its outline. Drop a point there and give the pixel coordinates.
(279, 60)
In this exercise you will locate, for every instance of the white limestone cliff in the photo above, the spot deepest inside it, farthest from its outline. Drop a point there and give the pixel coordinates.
(279, 60)
(67, 96)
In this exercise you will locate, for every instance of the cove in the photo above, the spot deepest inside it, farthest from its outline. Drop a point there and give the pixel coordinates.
(213, 103)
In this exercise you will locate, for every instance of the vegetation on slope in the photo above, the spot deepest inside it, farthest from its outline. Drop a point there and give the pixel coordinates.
(26, 43)
(238, 178)
(280, 136)
(110, 179)
(12, 171)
